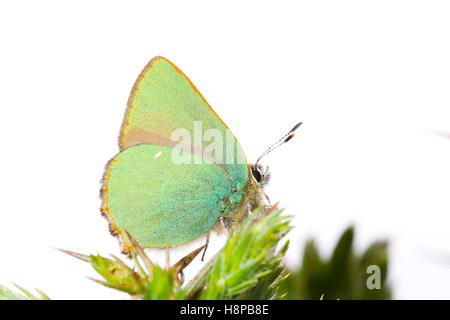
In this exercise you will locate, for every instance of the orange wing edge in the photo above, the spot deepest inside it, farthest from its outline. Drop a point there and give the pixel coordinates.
(113, 229)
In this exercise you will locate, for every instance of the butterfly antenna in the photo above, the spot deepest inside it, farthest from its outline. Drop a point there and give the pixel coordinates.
(288, 136)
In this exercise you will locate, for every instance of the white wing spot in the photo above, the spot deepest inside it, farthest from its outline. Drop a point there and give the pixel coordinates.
(158, 155)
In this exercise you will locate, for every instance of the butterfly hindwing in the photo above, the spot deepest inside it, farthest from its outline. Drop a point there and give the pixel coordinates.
(159, 202)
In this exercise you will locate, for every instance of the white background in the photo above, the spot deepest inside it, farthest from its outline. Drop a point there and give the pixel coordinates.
(369, 79)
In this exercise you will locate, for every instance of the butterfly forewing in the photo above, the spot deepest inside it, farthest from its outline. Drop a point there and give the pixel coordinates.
(164, 100)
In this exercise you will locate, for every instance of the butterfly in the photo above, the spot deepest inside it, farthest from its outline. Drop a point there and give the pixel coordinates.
(166, 186)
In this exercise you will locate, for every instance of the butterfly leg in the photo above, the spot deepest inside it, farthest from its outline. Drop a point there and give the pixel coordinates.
(267, 206)
(267, 198)
(206, 245)
(167, 258)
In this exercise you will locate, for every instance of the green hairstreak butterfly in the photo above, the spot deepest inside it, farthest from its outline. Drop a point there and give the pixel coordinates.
(166, 186)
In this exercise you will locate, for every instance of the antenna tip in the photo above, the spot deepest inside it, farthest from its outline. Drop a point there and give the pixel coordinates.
(296, 126)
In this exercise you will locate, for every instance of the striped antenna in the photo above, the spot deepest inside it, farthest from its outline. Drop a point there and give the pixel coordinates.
(288, 136)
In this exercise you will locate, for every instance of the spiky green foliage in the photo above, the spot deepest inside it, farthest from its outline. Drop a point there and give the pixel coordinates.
(8, 294)
(248, 267)
(342, 276)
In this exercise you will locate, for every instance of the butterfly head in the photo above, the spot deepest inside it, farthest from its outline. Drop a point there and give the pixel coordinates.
(260, 174)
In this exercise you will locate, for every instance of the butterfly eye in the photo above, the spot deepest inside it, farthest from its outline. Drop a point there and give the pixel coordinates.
(234, 189)
(256, 174)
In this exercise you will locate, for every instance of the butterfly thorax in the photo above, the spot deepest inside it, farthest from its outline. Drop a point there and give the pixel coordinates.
(251, 195)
